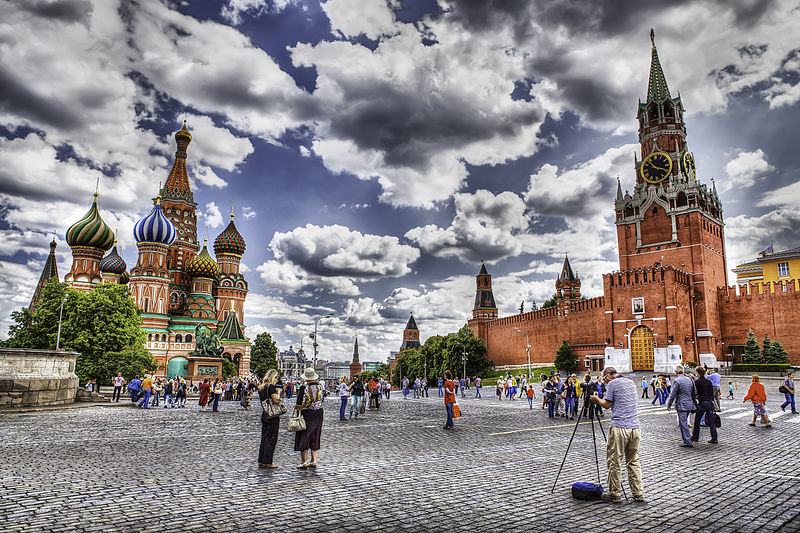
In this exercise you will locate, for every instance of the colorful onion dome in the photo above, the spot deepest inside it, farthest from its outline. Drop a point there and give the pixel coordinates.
(155, 227)
(91, 231)
(124, 278)
(203, 266)
(113, 263)
(229, 241)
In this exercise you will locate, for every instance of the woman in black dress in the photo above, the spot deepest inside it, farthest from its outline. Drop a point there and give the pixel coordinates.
(309, 401)
(269, 426)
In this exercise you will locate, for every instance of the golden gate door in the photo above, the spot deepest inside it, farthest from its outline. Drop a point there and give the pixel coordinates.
(642, 348)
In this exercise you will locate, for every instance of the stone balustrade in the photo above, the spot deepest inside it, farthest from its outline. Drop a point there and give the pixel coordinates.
(37, 377)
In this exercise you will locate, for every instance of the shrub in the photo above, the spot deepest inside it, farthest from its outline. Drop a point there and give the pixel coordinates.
(754, 369)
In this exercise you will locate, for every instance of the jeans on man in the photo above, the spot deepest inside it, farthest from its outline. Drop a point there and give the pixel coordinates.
(704, 408)
(570, 408)
(145, 401)
(789, 401)
(684, 425)
(117, 391)
(559, 401)
(644, 392)
(550, 406)
(215, 405)
(154, 401)
(169, 400)
(530, 401)
(716, 397)
(342, 409)
(449, 423)
(478, 392)
(355, 403)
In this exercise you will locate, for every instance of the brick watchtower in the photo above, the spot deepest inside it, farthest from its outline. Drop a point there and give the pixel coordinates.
(671, 219)
(485, 307)
(355, 366)
(568, 287)
(410, 335)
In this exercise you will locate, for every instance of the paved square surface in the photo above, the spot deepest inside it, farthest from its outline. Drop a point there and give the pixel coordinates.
(104, 468)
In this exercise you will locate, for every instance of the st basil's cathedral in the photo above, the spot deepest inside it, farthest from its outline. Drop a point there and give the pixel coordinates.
(179, 288)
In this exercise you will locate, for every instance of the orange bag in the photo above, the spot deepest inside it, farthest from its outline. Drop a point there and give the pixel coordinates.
(456, 411)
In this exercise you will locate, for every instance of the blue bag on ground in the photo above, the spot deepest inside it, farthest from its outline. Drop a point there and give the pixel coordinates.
(583, 490)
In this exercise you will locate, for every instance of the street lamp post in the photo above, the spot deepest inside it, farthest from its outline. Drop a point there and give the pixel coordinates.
(316, 320)
(60, 314)
(463, 359)
(527, 348)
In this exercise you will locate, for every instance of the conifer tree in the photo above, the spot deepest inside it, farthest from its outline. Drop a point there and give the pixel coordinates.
(766, 349)
(565, 359)
(752, 352)
(777, 354)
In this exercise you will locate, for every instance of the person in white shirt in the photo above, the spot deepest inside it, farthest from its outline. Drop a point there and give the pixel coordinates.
(119, 381)
(344, 394)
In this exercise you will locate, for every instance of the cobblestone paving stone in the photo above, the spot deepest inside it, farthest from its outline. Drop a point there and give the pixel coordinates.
(118, 468)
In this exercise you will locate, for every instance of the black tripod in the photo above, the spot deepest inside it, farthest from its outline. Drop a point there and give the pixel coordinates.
(587, 411)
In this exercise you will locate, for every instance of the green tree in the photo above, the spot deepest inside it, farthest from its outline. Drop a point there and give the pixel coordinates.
(228, 368)
(131, 361)
(565, 359)
(263, 354)
(777, 354)
(95, 324)
(752, 352)
(551, 302)
(766, 349)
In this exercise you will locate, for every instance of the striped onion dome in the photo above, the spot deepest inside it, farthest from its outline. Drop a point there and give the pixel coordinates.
(113, 263)
(203, 266)
(155, 227)
(90, 230)
(229, 241)
(124, 278)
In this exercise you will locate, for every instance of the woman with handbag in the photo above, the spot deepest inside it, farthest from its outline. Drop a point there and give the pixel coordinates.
(309, 403)
(268, 392)
(449, 398)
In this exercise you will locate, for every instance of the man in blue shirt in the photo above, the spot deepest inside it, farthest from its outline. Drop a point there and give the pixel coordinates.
(134, 387)
(714, 378)
(441, 381)
(644, 387)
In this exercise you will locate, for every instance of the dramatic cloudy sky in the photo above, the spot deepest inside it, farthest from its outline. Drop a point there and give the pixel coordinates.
(377, 150)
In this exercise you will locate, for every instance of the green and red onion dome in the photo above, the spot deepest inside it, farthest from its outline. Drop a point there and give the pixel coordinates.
(90, 231)
(229, 241)
(203, 266)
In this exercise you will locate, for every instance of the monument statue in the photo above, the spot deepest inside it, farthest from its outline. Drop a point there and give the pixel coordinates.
(206, 342)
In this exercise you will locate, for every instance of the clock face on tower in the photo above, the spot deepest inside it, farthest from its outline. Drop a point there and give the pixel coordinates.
(687, 162)
(656, 167)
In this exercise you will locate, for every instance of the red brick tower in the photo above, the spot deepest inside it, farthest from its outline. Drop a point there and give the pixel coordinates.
(485, 307)
(568, 287)
(355, 366)
(231, 288)
(671, 218)
(410, 335)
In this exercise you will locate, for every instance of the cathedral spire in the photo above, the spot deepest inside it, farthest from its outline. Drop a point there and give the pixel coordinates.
(619, 191)
(177, 184)
(49, 272)
(657, 89)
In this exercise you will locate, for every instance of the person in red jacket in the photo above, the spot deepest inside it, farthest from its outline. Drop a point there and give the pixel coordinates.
(758, 396)
(449, 398)
(205, 392)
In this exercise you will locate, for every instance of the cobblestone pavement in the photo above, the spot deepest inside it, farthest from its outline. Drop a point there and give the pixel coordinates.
(118, 468)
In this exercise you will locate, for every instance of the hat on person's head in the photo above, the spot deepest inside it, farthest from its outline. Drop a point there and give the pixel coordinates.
(310, 375)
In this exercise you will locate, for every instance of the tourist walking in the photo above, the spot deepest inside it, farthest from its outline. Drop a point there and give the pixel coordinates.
(205, 391)
(571, 396)
(405, 388)
(356, 395)
(309, 403)
(344, 393)
(449, 398)
(180, 395)
(218, 390)
(169, 399)
(147, 390)
(645, 387)
(268, 391)
(623, 436)
(550, 394)
(461, 382)
(119, 381)
(713, 376)
(758, 396)
(531, 395)
(788, 392)
(705, 405)
(157, 388)
(134, 387)
(478, 383)
(682, 394)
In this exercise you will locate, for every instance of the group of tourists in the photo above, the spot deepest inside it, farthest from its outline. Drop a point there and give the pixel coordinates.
(352, 393)
(146, 392)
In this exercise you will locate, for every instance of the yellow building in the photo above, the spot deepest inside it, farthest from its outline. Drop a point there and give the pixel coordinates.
(771, 267)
